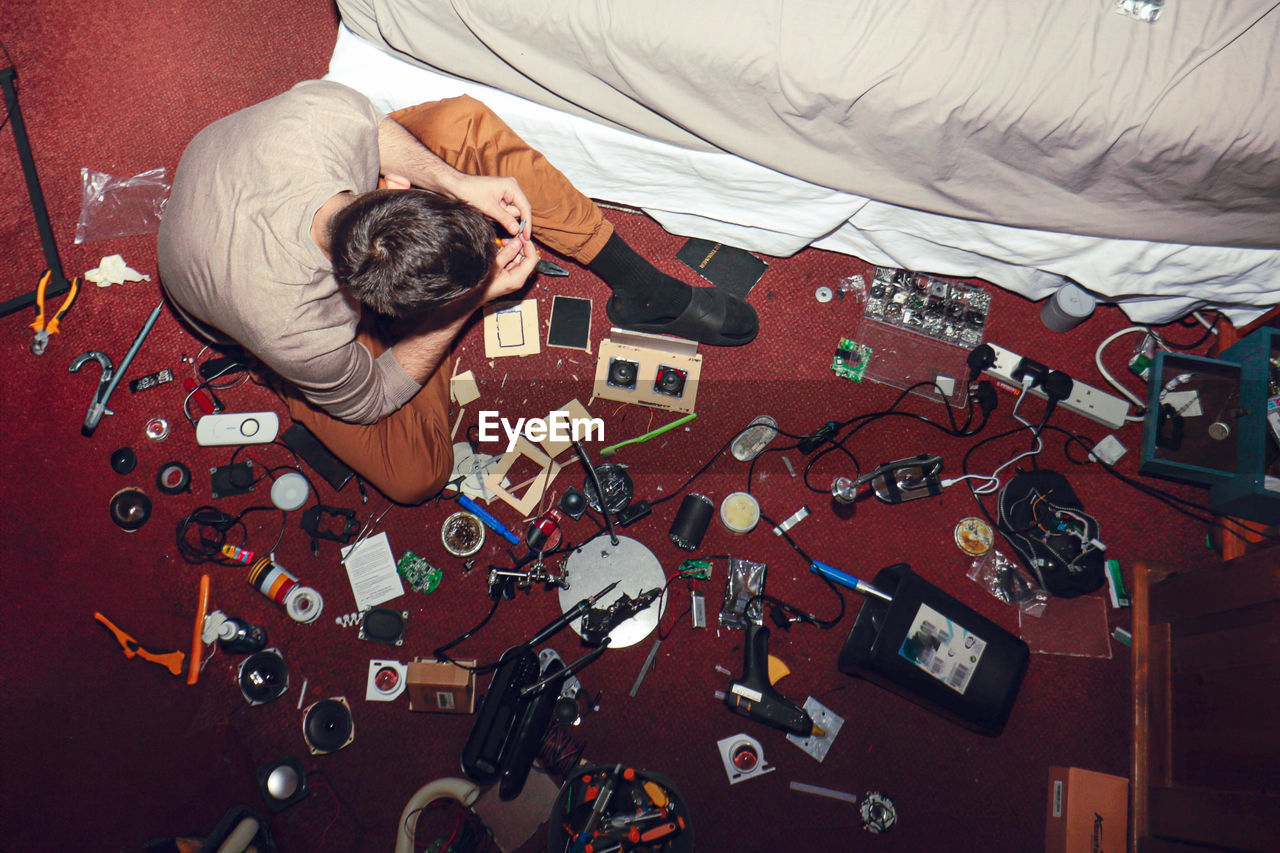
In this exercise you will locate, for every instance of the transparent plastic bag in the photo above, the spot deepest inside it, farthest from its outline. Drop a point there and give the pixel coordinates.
(1007, 581)
(119, 207)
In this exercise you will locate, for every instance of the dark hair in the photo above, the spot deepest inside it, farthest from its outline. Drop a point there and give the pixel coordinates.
(400, 252)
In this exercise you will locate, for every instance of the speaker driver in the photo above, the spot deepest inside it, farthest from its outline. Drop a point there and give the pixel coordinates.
(263, 677)
(282, 783)
(327, 726)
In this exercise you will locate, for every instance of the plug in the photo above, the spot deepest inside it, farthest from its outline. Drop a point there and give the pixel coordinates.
(1028, 368)
(985, 393)
(982, 357)
(1057, 387)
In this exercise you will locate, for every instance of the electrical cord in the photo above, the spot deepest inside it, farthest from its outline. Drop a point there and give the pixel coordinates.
(1210, 329)
(859, 422)
(211, 526)
(801, 614)
(1115, 383)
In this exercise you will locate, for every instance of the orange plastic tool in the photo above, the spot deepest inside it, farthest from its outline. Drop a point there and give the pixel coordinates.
(171, 661)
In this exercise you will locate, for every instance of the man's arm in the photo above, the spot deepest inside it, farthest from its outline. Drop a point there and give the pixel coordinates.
(499, 198)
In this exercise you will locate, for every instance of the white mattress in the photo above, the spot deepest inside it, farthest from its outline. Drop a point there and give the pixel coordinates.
(721, 197)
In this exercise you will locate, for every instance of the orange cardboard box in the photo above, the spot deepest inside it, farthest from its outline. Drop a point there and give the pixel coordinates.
(1088, 812)
(441, 687)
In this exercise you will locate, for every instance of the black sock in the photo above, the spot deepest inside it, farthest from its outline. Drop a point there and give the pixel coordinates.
(641, 292)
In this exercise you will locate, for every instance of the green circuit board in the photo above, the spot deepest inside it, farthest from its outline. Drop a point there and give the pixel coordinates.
(851, 359)
(418, 573)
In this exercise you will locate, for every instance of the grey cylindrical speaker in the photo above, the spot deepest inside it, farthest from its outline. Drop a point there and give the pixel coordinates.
(1068, 308)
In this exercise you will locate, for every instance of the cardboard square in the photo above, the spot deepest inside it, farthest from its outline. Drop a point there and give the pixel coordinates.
(511, 328)
(464, 389)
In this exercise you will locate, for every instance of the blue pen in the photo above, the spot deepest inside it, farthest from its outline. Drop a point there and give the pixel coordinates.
(483, 514)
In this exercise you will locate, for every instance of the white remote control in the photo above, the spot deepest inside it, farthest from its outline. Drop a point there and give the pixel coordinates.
(243, 428)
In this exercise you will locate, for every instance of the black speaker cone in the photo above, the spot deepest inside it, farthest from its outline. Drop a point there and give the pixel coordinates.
(670, 381)
(327, 726)
(622, 373)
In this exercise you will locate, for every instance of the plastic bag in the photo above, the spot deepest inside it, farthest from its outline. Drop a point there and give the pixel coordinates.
(120, 207)
(742, 606)
(1007, 581)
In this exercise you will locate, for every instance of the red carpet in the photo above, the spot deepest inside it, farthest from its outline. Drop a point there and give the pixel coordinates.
(102, 752)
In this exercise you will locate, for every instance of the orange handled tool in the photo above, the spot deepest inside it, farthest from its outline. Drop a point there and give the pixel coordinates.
(170, 660)
(44, 328)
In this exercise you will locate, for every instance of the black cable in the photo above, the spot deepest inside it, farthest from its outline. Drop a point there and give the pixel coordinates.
(859, 422)
(804, 615)
(1192, 322)
(440, 651)
(1177, 504)
(212, 526)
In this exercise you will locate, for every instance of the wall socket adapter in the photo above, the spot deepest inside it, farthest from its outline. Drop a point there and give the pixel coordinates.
(1085, 400)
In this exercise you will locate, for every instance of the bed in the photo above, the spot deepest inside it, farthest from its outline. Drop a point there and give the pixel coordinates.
(1020, 143)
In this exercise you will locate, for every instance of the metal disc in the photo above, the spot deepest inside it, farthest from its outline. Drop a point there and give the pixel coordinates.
(597, 564)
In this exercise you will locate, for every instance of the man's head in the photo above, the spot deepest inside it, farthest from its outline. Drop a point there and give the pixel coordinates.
(401, 252)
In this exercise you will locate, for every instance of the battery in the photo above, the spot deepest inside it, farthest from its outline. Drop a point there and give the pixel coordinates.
(698, 609)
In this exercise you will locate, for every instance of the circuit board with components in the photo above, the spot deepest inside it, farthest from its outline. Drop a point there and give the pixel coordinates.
(851, 359)
(420, 575)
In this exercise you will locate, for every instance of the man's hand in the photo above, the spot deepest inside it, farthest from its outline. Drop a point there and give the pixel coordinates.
(501, 199)
(513, 265)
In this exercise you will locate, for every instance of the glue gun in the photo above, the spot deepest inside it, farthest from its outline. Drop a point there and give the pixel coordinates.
(754, 697)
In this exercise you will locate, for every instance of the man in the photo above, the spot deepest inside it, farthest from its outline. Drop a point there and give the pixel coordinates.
(276, 236)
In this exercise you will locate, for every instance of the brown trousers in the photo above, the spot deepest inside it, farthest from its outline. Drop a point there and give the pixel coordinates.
(408, 455)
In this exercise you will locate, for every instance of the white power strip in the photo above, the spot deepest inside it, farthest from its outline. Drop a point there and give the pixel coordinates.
(1085, 400)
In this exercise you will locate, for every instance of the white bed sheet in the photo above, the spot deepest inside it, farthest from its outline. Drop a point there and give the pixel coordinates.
(721, 197)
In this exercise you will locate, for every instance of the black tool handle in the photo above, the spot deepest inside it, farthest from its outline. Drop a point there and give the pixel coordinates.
(754, 697)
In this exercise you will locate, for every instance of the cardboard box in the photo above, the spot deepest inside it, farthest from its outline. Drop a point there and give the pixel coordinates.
(441, 687)
(1088, 812)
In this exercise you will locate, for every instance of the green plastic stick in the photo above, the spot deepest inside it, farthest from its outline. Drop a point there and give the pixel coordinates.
(613, 448)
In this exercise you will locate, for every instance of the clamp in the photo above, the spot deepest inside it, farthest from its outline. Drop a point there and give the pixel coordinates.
(42, 328)
(110, 374)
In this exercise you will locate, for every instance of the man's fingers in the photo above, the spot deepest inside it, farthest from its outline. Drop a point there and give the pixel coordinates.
(510, 250)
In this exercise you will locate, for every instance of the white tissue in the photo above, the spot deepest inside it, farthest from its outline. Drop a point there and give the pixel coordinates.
(113, 270)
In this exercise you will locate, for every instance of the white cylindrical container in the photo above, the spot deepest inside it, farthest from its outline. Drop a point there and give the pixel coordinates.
(1068, 308)
(739, 513)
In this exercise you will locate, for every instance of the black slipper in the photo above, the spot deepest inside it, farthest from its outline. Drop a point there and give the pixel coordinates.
(701, 321)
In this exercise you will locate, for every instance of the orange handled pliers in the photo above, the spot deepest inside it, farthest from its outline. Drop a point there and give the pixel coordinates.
(132, 648)
(44, 330)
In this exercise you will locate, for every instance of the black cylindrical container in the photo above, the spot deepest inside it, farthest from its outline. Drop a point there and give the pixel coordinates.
(690, 523)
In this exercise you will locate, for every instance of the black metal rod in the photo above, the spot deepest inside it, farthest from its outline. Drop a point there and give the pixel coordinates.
(58, 283)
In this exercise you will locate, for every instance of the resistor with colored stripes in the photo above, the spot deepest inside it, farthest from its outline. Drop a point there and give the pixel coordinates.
(240, 555)
(302, 603)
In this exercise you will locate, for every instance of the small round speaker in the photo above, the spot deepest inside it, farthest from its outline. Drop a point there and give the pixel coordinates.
(282, 783)
(327, 725)
(263, 677)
